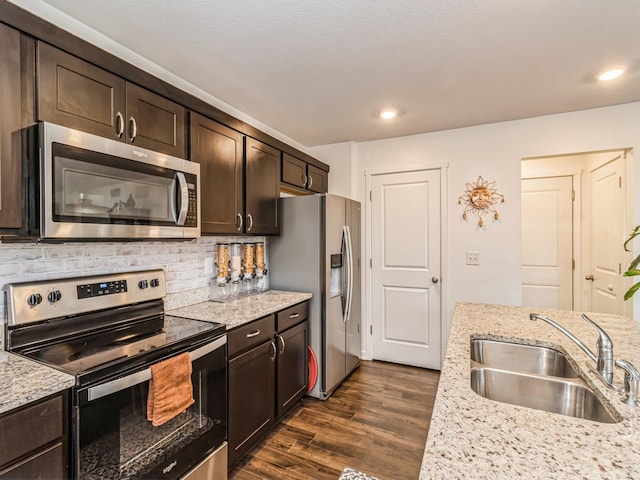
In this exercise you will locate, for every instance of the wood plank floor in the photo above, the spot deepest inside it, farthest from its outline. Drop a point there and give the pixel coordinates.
(376, 422)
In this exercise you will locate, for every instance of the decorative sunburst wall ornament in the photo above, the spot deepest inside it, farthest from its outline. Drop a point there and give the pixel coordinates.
(480, 198)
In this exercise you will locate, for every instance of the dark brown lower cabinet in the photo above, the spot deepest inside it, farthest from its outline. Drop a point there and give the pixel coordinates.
(251, 398)
(34, 440)
(268, 375)
(292, 376)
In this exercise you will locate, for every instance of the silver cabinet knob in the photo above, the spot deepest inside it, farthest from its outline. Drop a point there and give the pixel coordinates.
(589, 277)
(435, 279)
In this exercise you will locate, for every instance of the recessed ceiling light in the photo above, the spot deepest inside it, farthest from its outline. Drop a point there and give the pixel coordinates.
(388, 114)
(611, 74)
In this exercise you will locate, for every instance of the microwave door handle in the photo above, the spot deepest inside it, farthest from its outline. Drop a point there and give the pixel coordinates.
(180, 210)
(119, 384)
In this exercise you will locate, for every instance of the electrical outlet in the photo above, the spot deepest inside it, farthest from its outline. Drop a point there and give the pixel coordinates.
(473, 258)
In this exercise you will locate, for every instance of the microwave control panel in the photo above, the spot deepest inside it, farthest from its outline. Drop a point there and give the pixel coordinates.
(192, 209)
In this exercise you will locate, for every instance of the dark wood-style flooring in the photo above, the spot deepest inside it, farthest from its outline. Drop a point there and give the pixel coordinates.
(375, 422)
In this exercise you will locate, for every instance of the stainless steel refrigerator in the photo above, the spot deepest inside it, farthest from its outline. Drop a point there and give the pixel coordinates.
(318, 251)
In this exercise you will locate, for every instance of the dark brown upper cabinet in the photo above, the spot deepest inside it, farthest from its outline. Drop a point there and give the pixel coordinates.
(300, 177)
(10, 124)
(262, 188)
(79, 95)
(239, 178)
(219, 151)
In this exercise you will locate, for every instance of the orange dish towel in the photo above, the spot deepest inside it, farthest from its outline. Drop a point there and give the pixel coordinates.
(170, 389)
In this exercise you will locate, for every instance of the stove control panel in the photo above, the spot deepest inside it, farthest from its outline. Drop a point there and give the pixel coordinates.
(48, 299)
(99, 289)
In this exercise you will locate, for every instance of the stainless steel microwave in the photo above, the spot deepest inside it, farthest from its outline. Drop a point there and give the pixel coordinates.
(92, 188)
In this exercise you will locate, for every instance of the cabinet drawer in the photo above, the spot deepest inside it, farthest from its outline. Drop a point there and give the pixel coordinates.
(291, 316)
(49, 463)
(251, 334)
(30, 428)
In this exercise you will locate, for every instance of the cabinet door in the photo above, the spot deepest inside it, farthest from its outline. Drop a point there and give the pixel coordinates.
(76, 94)
(294, 171)
(318, 179)
(262, 188)
(10, 123)
(251, 398)
(218, 150)
(292, 367)
(155, 122)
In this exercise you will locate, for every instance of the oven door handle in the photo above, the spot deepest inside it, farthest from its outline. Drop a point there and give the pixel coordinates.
(99, 391)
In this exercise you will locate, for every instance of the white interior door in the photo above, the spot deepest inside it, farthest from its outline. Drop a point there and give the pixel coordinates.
(606, 236)
(547, 242)
(405, 272)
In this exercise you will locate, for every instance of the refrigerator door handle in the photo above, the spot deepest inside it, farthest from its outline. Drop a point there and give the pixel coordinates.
(345, 277)
(349, 263)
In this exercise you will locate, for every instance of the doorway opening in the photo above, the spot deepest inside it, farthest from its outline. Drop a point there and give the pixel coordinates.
(576, 214)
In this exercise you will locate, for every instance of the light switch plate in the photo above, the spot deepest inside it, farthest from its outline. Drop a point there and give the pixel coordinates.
(473, 258)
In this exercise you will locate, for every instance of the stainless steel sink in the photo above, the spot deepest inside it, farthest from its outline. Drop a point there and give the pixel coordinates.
(552, 394)
(521, 358)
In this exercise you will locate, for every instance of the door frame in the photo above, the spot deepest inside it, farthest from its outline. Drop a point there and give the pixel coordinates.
(443, 168)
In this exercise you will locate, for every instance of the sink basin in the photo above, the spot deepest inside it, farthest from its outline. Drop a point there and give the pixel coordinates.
(551, 394)
(521, 358)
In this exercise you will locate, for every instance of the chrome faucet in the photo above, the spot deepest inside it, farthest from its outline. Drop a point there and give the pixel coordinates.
(604, 359)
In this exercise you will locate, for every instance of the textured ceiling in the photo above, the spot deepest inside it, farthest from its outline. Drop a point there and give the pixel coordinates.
(319, 70)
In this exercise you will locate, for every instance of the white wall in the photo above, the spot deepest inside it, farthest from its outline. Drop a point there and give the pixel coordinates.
(495, 151)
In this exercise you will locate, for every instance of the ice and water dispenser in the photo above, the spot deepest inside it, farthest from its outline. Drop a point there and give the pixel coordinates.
(336, 275)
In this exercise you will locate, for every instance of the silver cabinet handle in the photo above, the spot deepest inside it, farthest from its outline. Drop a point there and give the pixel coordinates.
(310, 181)
(435, 279)
(273, 347)
(281, 340)
(239, 221)
(249, 222)
(119, 124)
(304, 180)
(134, 129)
(294, 315)
(253, 334)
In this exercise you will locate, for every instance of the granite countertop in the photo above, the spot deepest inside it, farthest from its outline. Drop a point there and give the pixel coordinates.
(23, 381)
(243, 310)
(473, 437)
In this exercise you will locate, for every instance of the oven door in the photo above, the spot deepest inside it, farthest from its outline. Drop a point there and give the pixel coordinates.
(114, 439)
(99, 188)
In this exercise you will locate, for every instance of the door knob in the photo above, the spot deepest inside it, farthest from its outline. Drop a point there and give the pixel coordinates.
(435, 279)
(589, 277)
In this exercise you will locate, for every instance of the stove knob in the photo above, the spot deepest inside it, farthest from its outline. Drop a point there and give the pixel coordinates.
(155, 282)
(54, 296)
(34, 299)
(143, 284)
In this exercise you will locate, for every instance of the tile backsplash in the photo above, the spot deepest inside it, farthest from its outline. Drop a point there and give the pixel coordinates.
(188, 266)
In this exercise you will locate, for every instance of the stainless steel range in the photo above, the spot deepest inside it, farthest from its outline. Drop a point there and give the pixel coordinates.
(108, 331)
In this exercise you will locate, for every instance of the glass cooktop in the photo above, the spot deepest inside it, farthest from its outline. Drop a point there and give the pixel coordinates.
(124, 346)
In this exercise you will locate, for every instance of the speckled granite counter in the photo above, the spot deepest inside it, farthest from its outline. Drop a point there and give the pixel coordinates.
(23, 381)
(472, 437)
(243, 310)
